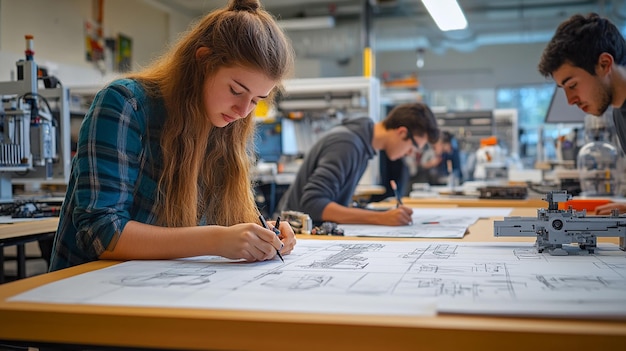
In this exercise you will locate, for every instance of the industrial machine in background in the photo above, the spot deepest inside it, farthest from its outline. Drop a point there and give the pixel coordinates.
(34, 126)
(312, 106)
(556, 227)
(303, 114)
(470, 128)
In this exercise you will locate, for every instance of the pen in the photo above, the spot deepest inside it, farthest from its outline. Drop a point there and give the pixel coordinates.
(430, 222)
(276, 226)
(262, 219)
(394, 186)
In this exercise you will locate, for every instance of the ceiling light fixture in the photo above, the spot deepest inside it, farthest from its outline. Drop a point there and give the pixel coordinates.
(306, 23)
(446, 13)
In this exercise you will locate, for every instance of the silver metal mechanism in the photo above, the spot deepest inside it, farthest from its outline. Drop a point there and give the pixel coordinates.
(325, 102)
(555, 228)
(299, 221)
(28, 129)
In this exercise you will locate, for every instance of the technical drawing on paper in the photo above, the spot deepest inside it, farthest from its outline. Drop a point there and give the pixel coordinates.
(350, 276)
(428, 223)
(424, 226)
(182, 276)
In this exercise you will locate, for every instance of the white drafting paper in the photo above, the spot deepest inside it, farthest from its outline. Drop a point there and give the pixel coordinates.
(368, 277)
(313, 279)
(428, 223)
(422, 227)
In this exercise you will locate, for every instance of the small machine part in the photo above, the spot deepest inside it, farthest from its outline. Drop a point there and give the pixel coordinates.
(327, 228)
(503, 192)
(299, 221)
(555, 228)
(29, 209)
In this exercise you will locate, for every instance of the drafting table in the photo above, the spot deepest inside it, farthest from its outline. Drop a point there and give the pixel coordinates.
(20, 233)
(196, 329)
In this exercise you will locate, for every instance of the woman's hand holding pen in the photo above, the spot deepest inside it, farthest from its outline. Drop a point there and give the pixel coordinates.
(252, 242)
(286, 235)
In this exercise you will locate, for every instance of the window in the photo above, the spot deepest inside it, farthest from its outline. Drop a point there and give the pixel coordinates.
(532, 102)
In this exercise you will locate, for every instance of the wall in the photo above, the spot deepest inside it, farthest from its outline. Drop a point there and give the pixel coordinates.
(316, 68)
(59, 42)
(486, 67)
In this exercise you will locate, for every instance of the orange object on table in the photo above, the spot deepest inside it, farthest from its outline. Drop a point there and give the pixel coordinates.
(583, 204)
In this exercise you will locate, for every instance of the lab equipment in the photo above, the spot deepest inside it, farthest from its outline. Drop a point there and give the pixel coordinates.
(555, 227)
(327, 228)
(490, 160)
(268, 141)
(34, 139)
(299, 221)
(597, 160)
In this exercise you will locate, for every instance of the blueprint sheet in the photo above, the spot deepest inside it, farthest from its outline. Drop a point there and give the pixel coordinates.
(429, 223)
(341, 276)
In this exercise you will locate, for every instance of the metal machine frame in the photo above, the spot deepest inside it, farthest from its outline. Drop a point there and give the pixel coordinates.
(555, 228)
(57, 167)
(351, 96)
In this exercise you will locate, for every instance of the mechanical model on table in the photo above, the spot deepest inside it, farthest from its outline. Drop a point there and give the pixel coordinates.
(555, 228)
(34, 140)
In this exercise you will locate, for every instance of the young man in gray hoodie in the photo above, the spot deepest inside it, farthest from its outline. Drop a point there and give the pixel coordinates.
(332, 168)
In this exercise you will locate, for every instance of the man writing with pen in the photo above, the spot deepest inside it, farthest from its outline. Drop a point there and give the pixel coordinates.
(331, 170)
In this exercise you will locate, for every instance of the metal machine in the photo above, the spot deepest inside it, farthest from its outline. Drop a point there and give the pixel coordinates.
(313, 105)
(34, 142)
(299, 221)
(555, 228)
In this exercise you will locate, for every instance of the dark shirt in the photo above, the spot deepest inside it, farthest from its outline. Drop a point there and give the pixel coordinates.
(331, 169)
(619, 119)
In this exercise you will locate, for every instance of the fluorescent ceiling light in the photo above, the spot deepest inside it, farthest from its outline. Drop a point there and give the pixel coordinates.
(305, 23)
(446, 13)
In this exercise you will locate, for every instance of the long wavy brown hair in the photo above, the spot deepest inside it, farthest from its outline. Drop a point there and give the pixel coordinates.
(206, 170)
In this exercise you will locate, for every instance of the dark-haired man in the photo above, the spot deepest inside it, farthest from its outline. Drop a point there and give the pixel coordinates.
(332, 168)
(587, 58)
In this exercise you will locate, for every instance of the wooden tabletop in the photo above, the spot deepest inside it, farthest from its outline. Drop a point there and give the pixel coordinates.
(202, 329)
(28, 228)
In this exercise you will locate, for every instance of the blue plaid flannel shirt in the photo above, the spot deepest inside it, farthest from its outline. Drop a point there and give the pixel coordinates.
(114, 173)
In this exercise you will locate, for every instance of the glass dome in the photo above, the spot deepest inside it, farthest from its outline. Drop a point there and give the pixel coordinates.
(597, 166)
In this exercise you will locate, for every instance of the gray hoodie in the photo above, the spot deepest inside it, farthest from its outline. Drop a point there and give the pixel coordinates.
(331, 169)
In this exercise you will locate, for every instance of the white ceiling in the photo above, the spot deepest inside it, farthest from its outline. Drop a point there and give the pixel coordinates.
(400, 25)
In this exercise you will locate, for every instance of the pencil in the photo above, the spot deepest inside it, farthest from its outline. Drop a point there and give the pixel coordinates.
(394, 186)
(276, 231)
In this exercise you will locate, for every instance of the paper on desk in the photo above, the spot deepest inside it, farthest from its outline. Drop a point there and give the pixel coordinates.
(367, 277)
(315, 278)
(429, 223)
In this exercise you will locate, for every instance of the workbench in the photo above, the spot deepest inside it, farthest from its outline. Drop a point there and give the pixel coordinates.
(123, 327)
(19, 234)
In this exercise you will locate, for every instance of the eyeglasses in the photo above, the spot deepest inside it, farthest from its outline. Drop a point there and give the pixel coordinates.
(410, 135)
